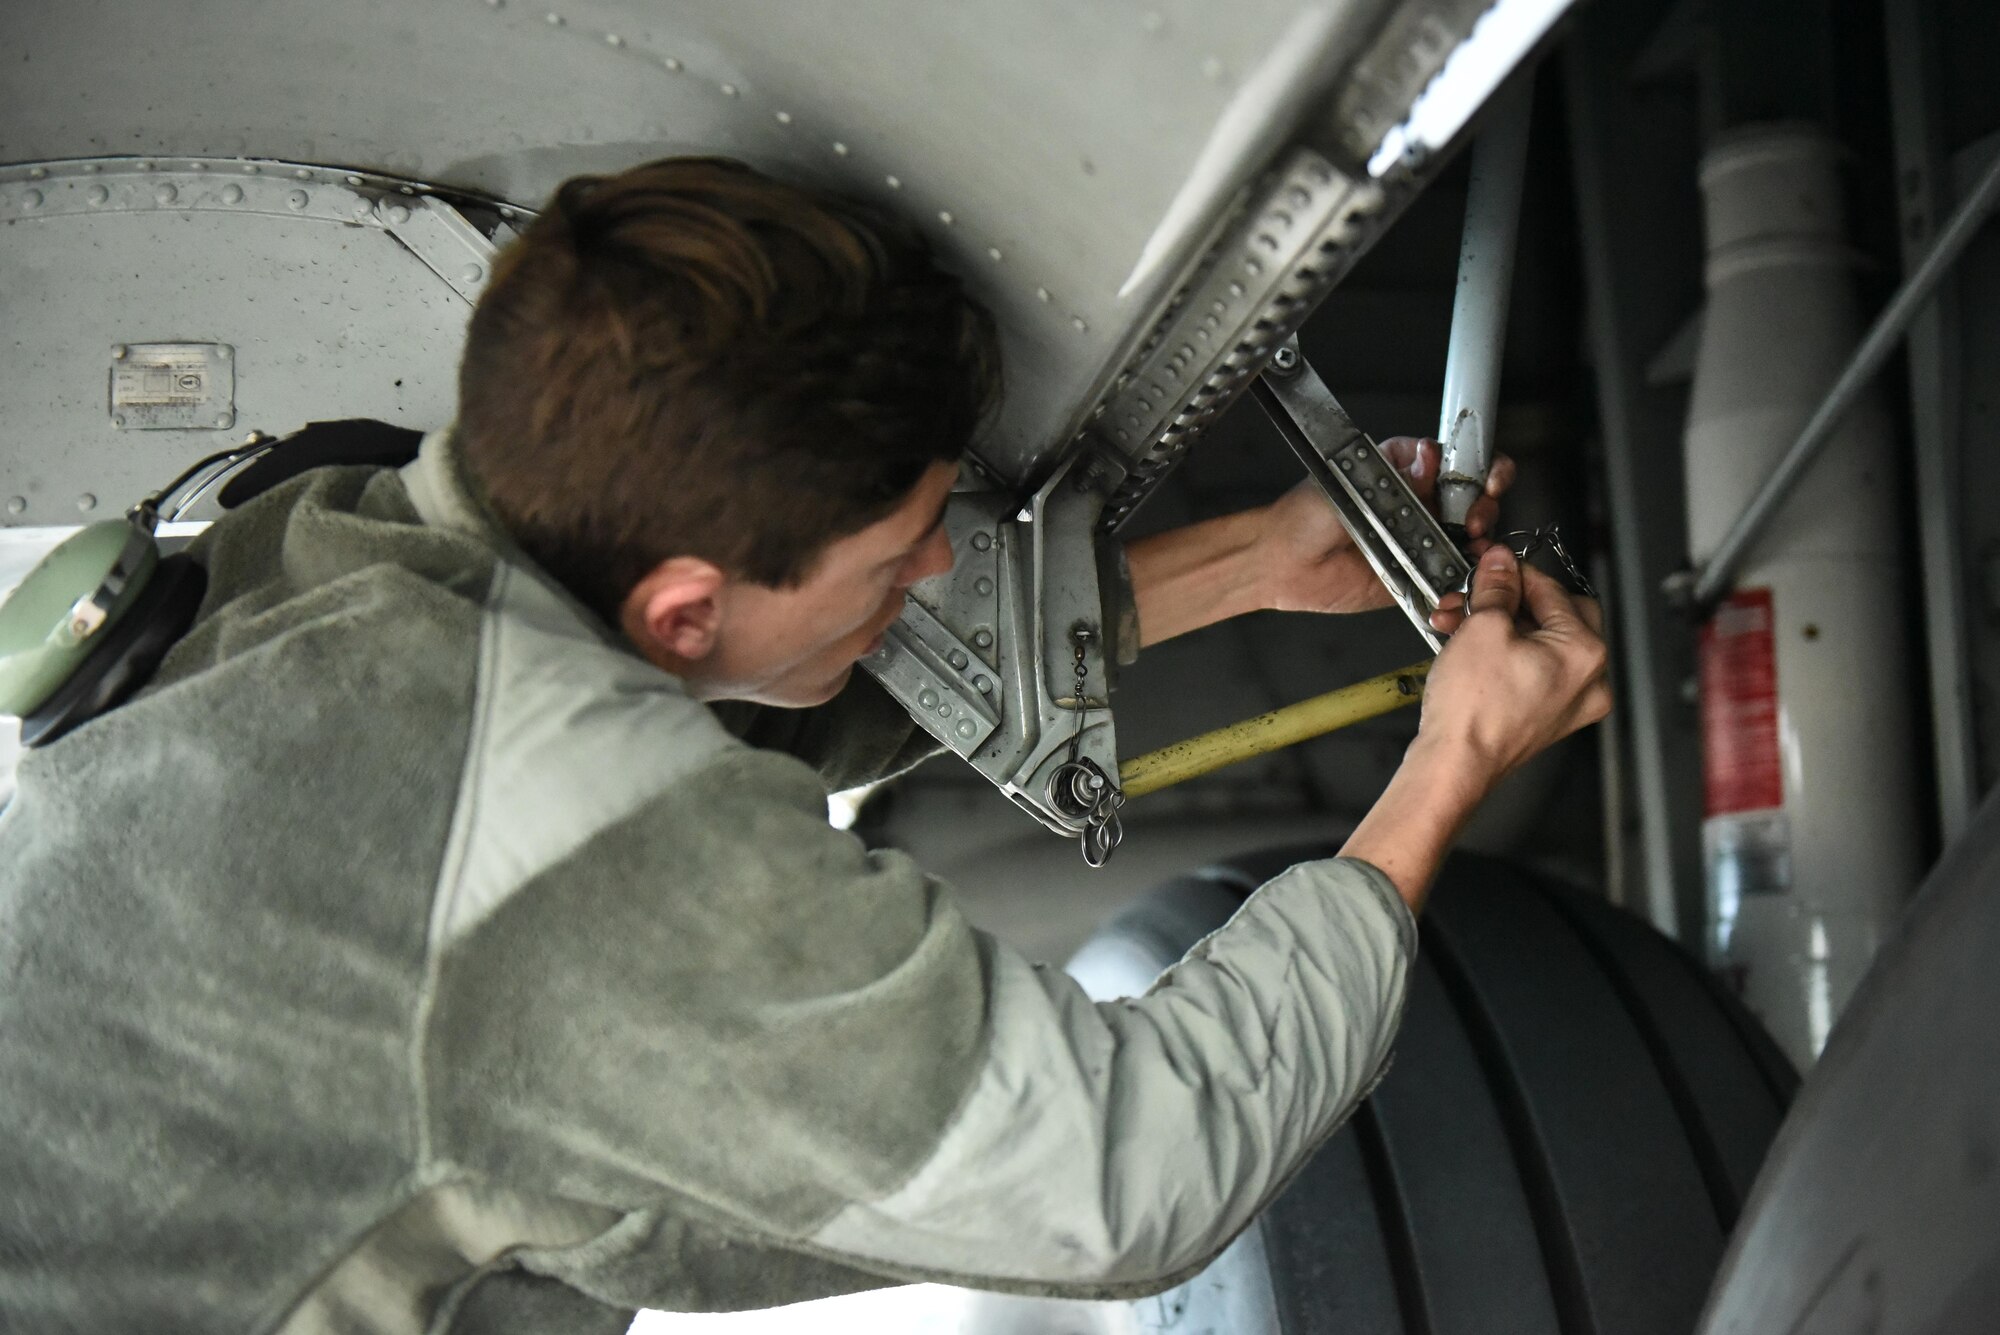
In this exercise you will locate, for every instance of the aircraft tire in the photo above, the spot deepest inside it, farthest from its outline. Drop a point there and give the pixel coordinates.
(1573, 1120)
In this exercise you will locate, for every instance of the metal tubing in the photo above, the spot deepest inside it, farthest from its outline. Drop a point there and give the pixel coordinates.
(1273, 731)
(1936, 343)
(1876, 346)
(1479, 311)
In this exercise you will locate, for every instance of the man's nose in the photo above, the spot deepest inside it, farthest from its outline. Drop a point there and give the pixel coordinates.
(933, 558)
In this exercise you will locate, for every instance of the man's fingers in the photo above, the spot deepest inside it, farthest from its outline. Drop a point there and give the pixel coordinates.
(1485, 512)
(1496, 583)
(1548, 602)
(1592, 613)
(1416, 458)
(1592, 706)
(1400, 450)
(1450, 614)
(1479, 520)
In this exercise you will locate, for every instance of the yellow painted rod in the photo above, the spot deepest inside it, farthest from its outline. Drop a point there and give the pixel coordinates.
(1273, 731)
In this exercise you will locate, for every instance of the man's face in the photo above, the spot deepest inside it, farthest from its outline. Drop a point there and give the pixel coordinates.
(797, 646)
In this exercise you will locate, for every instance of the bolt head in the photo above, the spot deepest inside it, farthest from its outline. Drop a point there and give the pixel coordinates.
(118, 352)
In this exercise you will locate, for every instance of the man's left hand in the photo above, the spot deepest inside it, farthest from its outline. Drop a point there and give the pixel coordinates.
(1311, 563)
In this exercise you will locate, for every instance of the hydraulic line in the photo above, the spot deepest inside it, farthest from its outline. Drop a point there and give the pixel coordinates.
(1273, 731)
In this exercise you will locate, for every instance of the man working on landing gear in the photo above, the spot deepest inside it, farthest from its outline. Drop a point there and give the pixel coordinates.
(450, 937)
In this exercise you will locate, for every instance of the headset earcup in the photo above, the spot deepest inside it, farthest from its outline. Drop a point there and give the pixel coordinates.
(127, 656)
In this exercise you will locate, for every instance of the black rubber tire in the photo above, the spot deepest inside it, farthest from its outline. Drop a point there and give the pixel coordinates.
(1565, 1141)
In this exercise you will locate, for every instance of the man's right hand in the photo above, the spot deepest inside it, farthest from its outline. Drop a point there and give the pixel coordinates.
(1526, 668)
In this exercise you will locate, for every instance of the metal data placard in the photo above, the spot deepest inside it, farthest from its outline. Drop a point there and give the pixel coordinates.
(173, 386)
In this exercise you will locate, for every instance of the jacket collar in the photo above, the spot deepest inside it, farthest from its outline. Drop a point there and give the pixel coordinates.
(444, 498)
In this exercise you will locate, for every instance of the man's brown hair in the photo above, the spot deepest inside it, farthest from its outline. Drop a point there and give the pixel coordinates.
(692, 359)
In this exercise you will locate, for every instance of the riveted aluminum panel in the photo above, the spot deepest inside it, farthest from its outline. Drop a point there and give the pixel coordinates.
(324, 311)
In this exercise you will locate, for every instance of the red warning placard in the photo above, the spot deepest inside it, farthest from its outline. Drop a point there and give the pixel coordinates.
(1739, 707)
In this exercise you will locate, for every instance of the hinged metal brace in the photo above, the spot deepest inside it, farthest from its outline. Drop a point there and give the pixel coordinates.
(1408, 549)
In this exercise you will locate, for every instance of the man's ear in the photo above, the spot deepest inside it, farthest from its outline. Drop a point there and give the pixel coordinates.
(674, 613)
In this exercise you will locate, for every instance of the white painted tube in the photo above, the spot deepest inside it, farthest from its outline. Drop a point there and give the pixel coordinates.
(1807, 673)
(1479, 306)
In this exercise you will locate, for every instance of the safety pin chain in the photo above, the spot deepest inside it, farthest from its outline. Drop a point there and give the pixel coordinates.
(1079, 785)
(1525, 542)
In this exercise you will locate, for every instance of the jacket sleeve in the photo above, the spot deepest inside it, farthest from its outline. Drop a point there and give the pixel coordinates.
(720, 1006)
